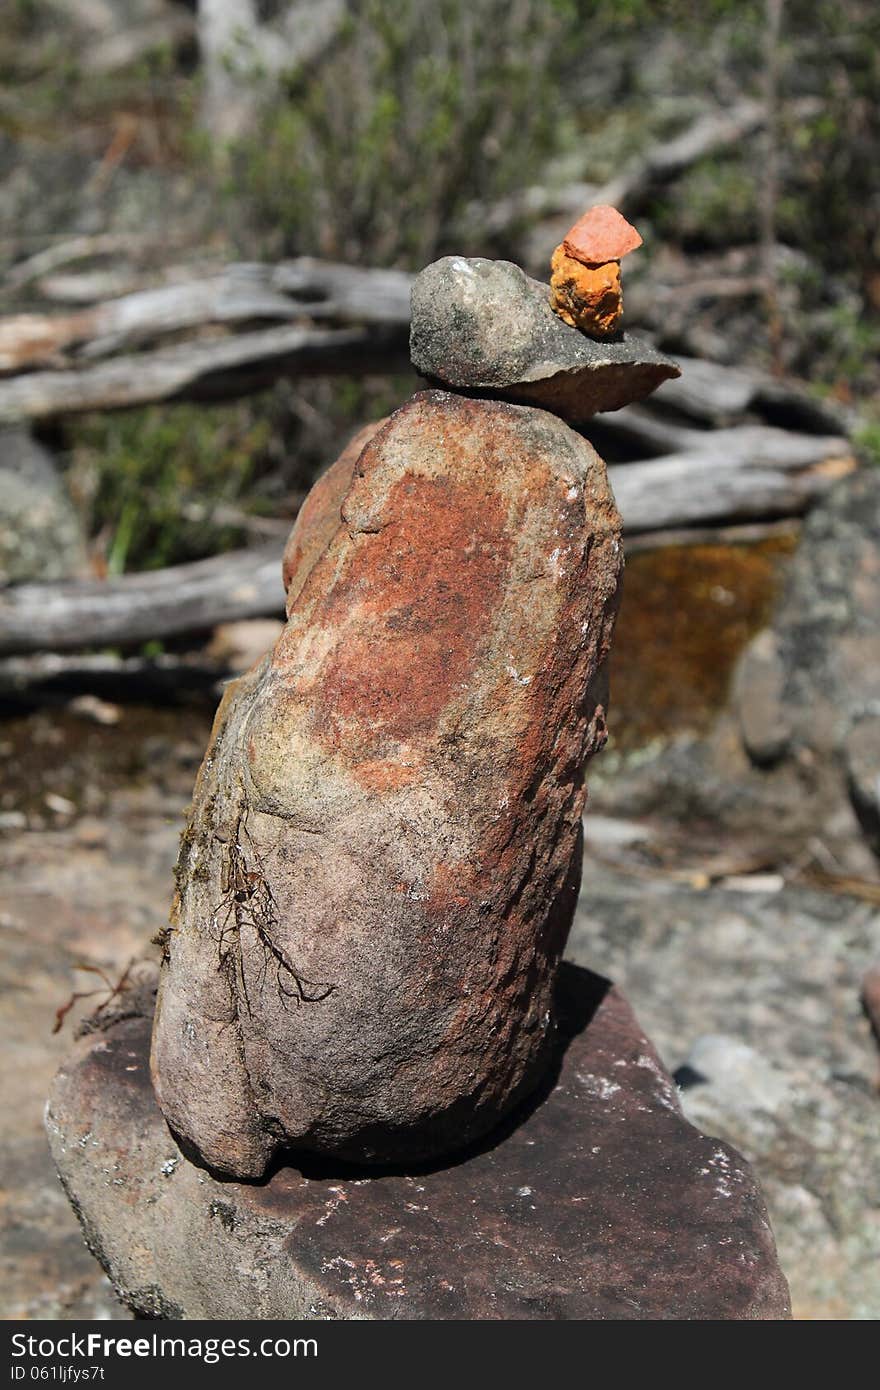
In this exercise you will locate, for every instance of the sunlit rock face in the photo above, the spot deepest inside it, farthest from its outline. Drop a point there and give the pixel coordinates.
(487, 328)
(381, 864)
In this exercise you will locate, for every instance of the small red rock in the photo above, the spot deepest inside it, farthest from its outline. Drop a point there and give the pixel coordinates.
(601, 235)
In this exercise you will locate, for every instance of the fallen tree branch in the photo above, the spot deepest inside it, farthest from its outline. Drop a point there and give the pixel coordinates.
(718, 395)
(69, 250)
(168, 676)
(542, 207)
(708, 134)
(693, 488)
(687, 489)
(240, 293)
(748, 533)
(138, 607)
(369, 314)
(202, 370)
(646, 430)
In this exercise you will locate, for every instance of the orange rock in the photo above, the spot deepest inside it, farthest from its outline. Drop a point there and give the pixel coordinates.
(601, 235)
(587, 297)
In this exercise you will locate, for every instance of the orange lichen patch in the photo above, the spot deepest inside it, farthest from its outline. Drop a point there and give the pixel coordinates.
(587, 297)
(425, 587)
(601, 235)
(687, 613)
(385, 775)
(318, 518)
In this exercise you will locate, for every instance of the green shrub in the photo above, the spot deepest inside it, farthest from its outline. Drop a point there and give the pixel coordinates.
(153, 483)
(373, 155)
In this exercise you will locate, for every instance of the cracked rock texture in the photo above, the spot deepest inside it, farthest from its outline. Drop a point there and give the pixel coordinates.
(485, 326)
(780, 1059)
(380, 869)
(598, 1201)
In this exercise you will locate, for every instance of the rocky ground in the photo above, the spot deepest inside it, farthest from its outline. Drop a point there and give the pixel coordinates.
(730, 889)
(750, 992)
(749, 986)
(90, 890)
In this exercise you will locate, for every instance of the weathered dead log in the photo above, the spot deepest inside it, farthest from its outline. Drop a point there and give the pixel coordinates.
(138, 607)
(745, 533)
(720, 395)
(710, 133)
(68, 251)
(241, 293)
(202, 370)
(652, 432)
(58, 676)
(544, 208)
(693, 488)
(371, 307)
(686, 489)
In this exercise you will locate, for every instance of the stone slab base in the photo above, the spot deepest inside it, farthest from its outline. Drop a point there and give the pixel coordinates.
(596, 1201)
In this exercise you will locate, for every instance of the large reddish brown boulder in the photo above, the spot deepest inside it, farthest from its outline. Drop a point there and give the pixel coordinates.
(380, 868)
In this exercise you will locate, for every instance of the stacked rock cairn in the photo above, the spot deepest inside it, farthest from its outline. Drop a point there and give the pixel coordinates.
(381, 863)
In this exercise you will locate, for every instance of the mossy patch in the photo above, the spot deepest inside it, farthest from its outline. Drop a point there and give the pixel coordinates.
(687, 613)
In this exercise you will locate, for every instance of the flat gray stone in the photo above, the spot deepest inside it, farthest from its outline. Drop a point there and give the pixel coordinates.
(486, 327)
(597, 1201)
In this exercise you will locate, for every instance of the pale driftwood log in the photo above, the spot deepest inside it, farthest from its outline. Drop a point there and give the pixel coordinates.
(371, 307)
(244, 362)
(720, 395)
(173, 674)
(693, 488)
(548, 210)
(138, 607)
(747, 533)
(202, 370)
(656, 433)
(68, 251)
(690, 488)
(167, 675)
(243, 293)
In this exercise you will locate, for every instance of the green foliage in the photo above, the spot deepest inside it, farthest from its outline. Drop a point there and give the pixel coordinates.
(715, 204)
(423, 110)
(424, 106)
(845, 345)
(867, 442)
(154, 482)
